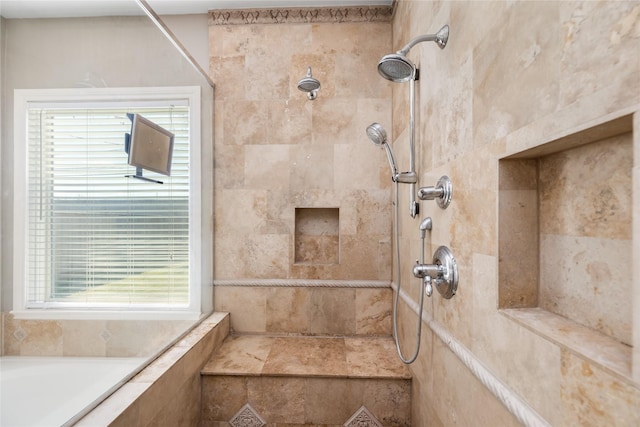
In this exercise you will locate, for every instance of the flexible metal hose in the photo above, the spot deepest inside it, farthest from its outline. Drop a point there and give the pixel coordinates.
(397, 293)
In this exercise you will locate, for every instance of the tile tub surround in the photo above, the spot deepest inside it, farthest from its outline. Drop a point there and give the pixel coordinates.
(167, 392)
(306, 380)
(88, 338)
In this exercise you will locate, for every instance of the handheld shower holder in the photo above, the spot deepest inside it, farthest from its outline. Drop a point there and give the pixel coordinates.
(442, 192)
(405, 178)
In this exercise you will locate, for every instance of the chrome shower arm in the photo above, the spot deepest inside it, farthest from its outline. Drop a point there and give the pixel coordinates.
(415, 41)
(441, 38)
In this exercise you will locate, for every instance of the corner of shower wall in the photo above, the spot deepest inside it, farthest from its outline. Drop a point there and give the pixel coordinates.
(566, 241)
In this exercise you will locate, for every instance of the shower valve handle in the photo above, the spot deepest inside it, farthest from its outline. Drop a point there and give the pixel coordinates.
(441, 192)
(443, 272)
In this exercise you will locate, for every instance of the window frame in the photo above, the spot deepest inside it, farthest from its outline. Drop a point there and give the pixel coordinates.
(96, 97)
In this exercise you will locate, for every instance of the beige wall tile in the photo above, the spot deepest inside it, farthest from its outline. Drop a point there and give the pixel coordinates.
(577, 280)
(529, 49)
(486, 93)
(591, 397)
(596, 203)
(589, 32)
(373, 311)
(222, 397)
(248, 307)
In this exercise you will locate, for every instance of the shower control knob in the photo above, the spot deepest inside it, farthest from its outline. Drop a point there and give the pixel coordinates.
(443, 272)
(441, 192)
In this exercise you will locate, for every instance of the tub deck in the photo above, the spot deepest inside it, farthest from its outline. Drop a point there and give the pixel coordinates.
(50, 391)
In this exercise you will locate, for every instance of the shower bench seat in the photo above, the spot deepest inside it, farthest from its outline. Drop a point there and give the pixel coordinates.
(303, 380)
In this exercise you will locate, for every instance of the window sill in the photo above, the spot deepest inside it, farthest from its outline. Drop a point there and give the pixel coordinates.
(56, 314)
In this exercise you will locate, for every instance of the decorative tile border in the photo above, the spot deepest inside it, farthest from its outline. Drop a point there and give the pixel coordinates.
(305, 15)
(303, 283)
(509, 398)
(247, 417)
(363, 418)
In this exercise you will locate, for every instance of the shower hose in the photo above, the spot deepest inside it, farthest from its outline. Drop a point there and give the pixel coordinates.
(397, 293)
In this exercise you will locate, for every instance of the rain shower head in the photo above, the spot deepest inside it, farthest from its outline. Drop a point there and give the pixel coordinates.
(378, 135)
(398, 68)
(309, 85)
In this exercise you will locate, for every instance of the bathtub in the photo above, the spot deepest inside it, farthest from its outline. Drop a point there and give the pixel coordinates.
(56, 391)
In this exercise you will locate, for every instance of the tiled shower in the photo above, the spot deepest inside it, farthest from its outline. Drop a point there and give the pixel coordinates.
(532, 110)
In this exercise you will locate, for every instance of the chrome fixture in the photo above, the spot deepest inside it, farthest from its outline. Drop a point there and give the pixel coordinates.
(443, 272)
(378, 135)
(309, 85)
(425, 224)
(396, 67)
(441, 192)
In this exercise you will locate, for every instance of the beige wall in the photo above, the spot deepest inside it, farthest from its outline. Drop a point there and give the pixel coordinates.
(277, 151)
(519, 85)
(514, 77)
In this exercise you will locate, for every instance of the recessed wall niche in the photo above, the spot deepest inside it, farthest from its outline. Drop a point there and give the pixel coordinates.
(565, 241)
(317, 239)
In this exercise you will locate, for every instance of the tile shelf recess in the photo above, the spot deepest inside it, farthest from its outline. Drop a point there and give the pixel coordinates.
(563, 206)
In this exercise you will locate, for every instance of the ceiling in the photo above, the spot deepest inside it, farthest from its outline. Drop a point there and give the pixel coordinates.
(15, 9)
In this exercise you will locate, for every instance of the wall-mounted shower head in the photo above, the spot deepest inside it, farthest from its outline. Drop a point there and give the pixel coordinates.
(398, 68)
(309, 85)
(378, 135)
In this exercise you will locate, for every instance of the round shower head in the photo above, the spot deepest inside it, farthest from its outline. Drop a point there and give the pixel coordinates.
(377, 134)
(309, 84)
(396, 67)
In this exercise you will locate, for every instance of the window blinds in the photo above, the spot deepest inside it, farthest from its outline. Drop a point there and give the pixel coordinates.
(97, 238)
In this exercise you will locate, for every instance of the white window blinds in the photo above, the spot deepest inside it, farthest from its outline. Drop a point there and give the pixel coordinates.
(95, 237)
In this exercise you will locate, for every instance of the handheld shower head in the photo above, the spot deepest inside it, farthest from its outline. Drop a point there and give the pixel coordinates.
(396, 67)
(378, 135)
(309, 85)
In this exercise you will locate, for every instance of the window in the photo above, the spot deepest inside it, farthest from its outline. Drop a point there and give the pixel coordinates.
(94, 237)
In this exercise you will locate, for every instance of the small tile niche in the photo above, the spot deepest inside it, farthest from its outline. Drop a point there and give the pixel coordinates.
(565, 242)
(317, 239)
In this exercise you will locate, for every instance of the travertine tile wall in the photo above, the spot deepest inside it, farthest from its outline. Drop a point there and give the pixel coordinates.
(88, 338)
(514, 76)
(585, 229)
(276, 151)
(281, 158)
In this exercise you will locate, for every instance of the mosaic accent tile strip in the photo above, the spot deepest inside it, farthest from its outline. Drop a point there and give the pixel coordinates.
(247, 417)
(304, 283)
(301, 15)
(363, 418)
